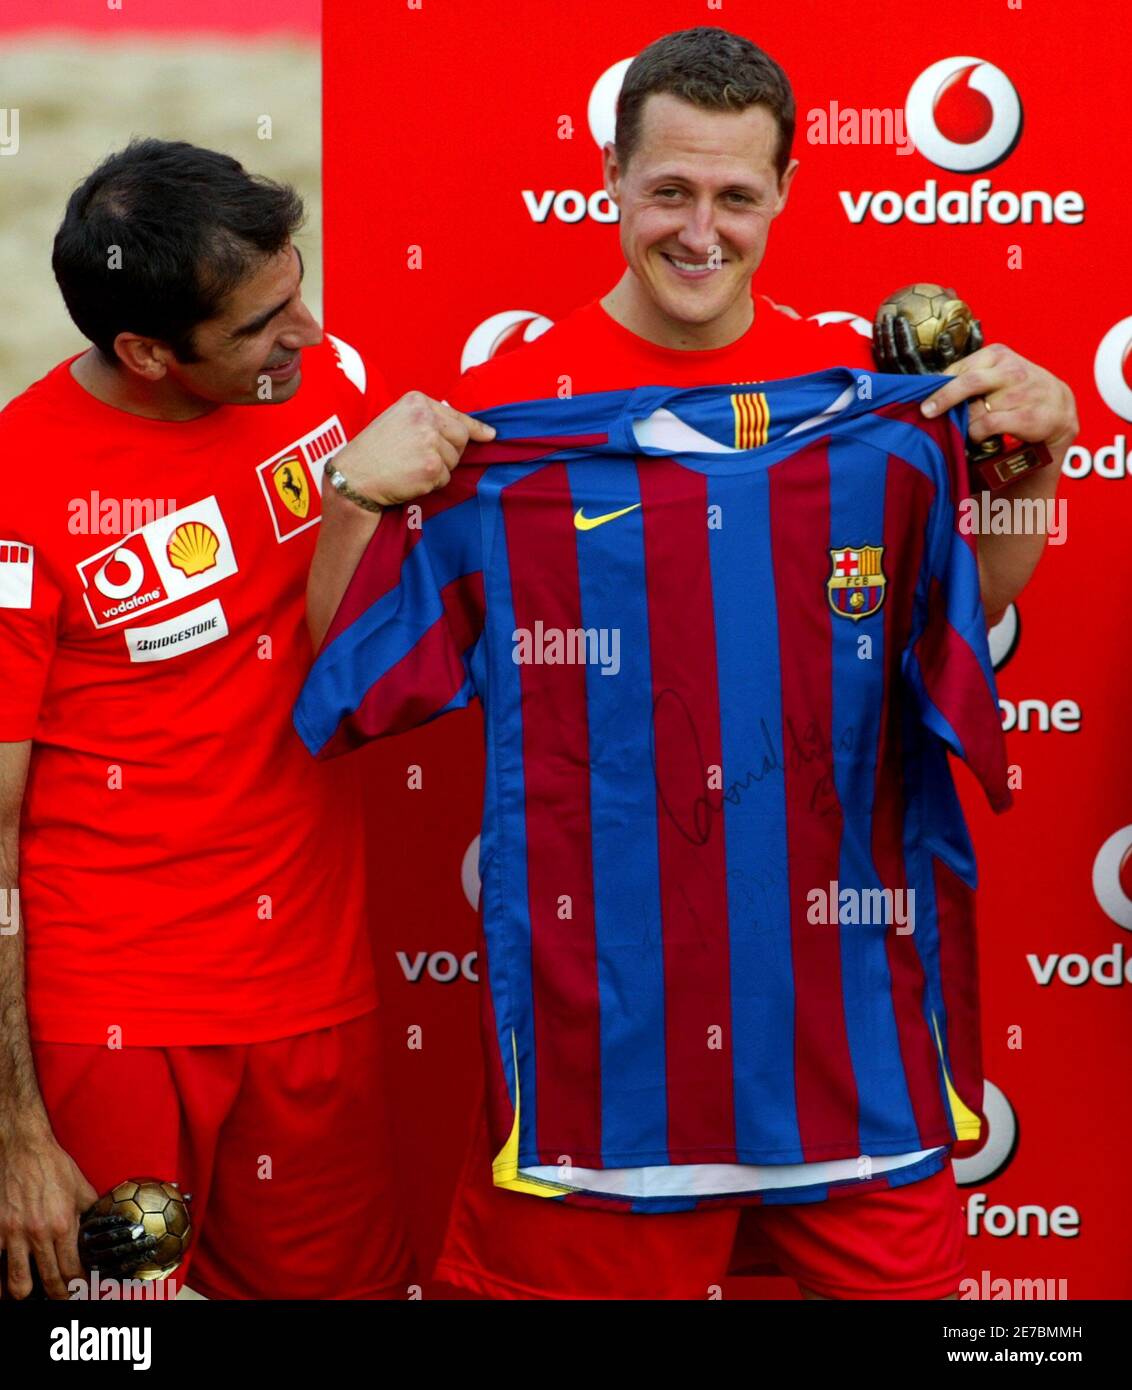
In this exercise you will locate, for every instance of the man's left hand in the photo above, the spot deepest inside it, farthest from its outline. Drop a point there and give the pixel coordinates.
(1020, 398)
(1030, 403)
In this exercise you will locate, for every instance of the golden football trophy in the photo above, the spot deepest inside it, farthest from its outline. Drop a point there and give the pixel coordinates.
(924, 329)
(140, 1229)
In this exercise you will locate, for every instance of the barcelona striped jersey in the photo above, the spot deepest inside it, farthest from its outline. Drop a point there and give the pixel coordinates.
(725, 639)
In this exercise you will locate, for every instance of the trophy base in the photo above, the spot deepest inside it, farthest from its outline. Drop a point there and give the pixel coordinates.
(1007, 460)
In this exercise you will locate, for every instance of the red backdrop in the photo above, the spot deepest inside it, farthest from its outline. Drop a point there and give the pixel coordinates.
(175, 18)
(444, 133)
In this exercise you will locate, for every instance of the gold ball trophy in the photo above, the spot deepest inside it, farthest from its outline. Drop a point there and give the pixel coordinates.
(922, 329)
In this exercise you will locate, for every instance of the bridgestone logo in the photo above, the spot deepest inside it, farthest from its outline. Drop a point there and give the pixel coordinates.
(145, 645)
(161, 641)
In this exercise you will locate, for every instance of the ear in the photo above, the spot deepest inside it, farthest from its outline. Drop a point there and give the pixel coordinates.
(611, 170)
(784, 184)
(146, 358)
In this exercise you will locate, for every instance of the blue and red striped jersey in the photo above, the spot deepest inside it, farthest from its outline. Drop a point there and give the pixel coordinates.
(724, 639)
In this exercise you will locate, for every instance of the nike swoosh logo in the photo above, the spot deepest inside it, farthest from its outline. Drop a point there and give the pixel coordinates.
(587, 523)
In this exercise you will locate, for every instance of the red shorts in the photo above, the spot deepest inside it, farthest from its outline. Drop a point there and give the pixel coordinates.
(325, 1224)
(901, 1242)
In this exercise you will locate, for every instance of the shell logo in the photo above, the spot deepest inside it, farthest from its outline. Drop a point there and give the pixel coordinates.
(192, 548)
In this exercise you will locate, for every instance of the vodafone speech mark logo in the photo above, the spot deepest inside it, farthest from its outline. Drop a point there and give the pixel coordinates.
(571, 204)
(470, 874)
(1112, 877)
(446, 967)
(1112, 885)
(1028, 714)
(1004, 637)
(502, 333)
(963, 114)
(991, 1158)
(997, 1149)
(1111, 368)
(601, 113)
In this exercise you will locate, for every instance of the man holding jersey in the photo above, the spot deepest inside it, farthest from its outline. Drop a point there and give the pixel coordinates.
(699, 169)
(183, 887)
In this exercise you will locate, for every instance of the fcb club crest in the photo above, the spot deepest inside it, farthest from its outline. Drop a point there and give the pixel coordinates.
(857, 582)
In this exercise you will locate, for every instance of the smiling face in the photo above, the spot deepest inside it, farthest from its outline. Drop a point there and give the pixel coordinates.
(697, 197)
(257, 337)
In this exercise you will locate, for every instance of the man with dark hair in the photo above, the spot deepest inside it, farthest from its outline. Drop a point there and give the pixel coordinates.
(156, 239)
(199, 1000)
(699, 170)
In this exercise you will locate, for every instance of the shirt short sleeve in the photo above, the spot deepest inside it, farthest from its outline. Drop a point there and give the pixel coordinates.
(948, 662)
(370, 394)
(461, 394)
(29, 615)
(399, 650)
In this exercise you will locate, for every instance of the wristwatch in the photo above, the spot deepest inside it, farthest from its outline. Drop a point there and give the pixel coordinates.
(339, 483)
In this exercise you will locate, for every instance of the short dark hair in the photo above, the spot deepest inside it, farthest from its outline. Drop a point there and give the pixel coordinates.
(711, 68)
(190, 224)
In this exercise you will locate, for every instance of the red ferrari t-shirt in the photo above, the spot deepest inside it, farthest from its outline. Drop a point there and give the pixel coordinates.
(590, 351)
(188, 874)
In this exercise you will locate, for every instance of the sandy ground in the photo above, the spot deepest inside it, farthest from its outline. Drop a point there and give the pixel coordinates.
(79, 101)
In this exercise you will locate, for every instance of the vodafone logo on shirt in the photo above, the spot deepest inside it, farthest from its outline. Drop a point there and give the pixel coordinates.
(170, 559)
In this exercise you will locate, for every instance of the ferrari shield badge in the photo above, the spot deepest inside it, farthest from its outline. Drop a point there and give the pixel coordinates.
(856, 583)
(290, 481)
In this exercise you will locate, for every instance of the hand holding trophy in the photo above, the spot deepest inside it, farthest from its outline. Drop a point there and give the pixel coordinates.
(139, 1230)
(924, 328)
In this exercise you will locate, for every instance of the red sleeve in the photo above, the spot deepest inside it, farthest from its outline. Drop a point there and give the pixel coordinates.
(863, 347)
(461, 394)
(843, 346)
(377, 395)
(29, 614)
(367, 394)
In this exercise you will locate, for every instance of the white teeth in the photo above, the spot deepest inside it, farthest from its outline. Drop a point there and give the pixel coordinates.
(690, 265)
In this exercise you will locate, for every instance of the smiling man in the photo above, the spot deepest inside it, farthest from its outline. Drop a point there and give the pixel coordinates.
(199, 999)
(690, 257)
(700, 169)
